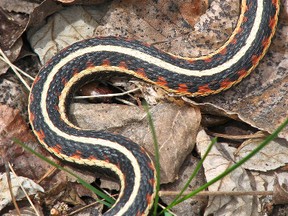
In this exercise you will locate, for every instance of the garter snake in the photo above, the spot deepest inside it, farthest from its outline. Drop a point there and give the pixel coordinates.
(70, 68)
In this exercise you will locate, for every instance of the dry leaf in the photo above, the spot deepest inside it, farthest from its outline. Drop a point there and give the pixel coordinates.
(12, 27)
(280, 192)
(218, 160)
(222, 156)
(16, 181)
(25, 7)
(12, 125)
(273, 156)
(15, 17)
(64, 28)
(12, 54)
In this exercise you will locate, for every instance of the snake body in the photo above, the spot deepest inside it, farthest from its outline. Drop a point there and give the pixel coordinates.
(70, 68)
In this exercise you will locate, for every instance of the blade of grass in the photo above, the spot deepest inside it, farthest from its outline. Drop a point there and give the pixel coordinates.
(198, 167)
(235, 166)
(157, 163)
(109, 201)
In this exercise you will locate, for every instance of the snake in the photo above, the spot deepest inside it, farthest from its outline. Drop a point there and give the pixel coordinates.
(86, 60)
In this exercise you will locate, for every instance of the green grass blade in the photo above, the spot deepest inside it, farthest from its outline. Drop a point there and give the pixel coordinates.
(109, 201)
(238, 164)
(157, 163)
(195, 172)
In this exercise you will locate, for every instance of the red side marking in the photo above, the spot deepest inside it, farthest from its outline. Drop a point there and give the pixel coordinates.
(151, 166)
(255, 59)
(146, 44)
(148, 198)
(77, 155)
(118, 166)
(57, 149)
(275, 3)
(31, 117)
(191, 61)
(204, 89)
(106, 62)
(161, 81)
(31, 98)
(123, 65)
(272, 22)
(75, 71)
(89, 64)
(58, 95)
(245, 8)
(141, 72)
(208, 60)
(106, 159)
(64, 80)
(226, 83)
(239, 30)
(182, 88)
(128, 39)
(223, 51)
(265, 42)
(40, 134)
(151, 181)
(234, 41)
(138, 213)
(142, 150)
(48, 62)
(245, 19)
(56, 107)
(248, 6)
(64, 49)
(242, 73)
(174, 57)
(37, 78)
(92, 157)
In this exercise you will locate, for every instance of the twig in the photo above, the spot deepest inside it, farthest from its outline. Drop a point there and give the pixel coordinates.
(26, 194)
(107, 95)
(16, 70)
(238, 137)
(219, 193)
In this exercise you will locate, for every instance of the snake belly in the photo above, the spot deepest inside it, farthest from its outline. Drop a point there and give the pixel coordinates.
(57, 81)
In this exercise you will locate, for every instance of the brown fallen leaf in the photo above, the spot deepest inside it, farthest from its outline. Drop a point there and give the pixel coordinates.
(16, 17)
(12, 125)
(272, 157)
(17, 183)
(12, 28)
(280, 192)
(218, 160)
(62, 29)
